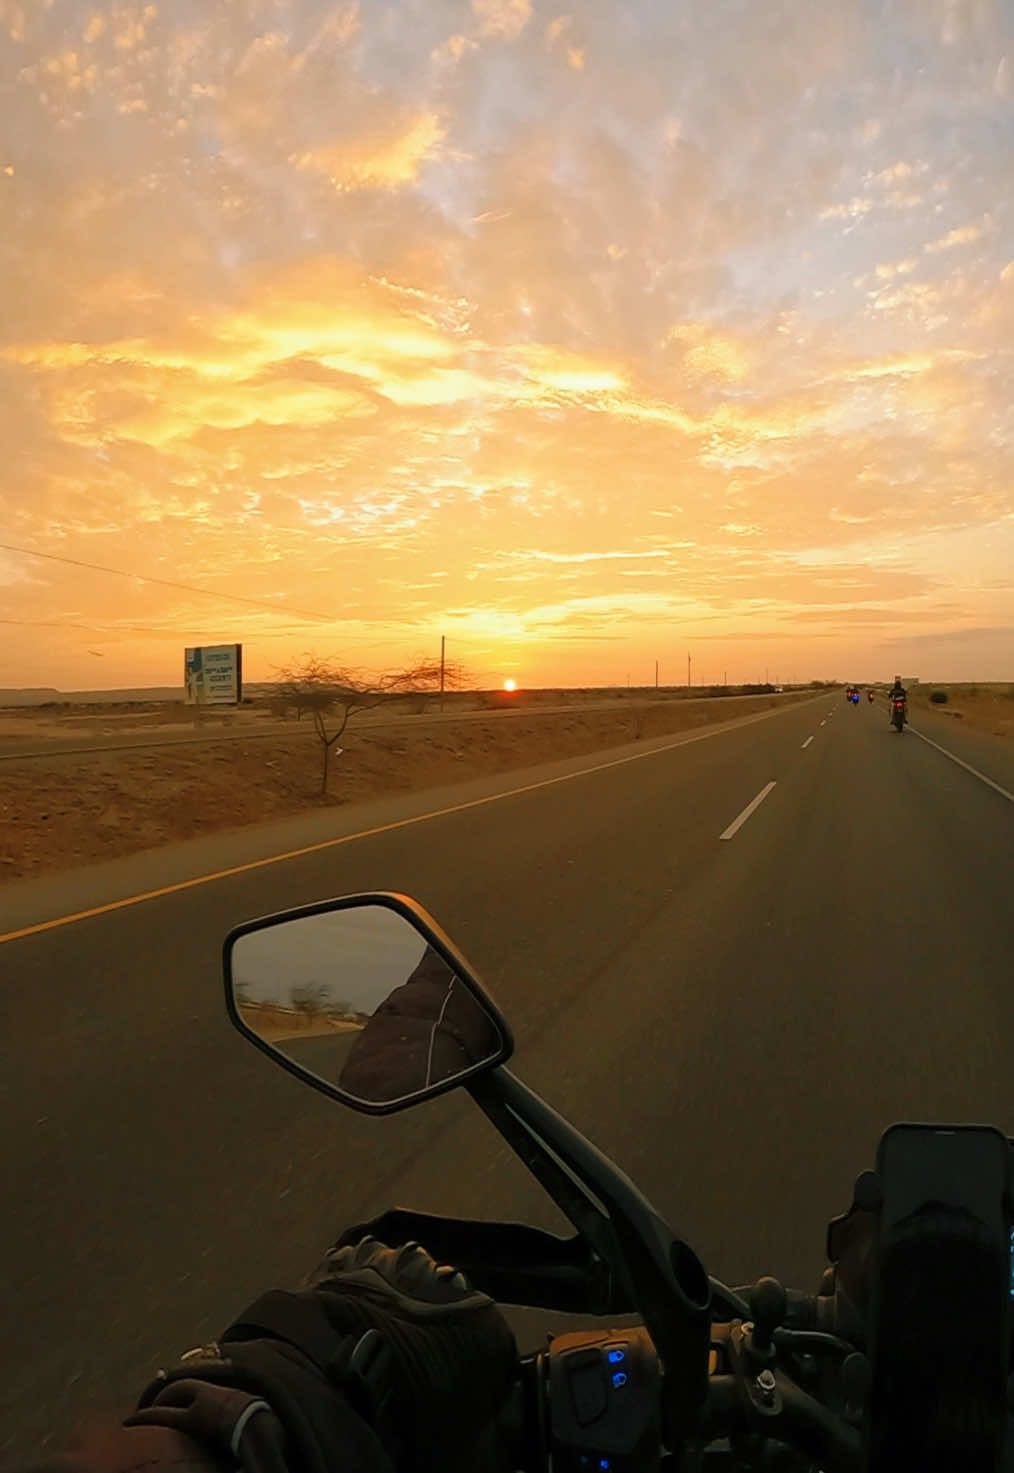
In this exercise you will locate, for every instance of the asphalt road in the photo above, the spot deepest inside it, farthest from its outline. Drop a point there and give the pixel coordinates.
(729, 1019)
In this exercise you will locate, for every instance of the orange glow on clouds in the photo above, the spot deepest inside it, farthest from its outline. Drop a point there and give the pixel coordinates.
(568, 340)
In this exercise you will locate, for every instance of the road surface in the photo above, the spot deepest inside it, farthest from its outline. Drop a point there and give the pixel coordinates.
(727, 1017)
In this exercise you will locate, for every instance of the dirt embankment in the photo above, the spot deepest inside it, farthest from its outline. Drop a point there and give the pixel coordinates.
(76, 810)
(280, 1025)
(986, 707)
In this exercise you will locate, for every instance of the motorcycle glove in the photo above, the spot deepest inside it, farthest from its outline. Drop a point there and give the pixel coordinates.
(424, 1357)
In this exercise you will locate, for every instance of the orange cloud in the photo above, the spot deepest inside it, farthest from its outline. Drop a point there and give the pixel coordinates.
(502, 20)
(453, 49)
(390, 159)
(890, 269)
(12, 18)
(713, 354)
(613, 317)
(852, 210)
(557, 27)
(963, 235)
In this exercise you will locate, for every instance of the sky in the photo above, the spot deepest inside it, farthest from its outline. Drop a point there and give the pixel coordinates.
(583, 337)
(360, 956)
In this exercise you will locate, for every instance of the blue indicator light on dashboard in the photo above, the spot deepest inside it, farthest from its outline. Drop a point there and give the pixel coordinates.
(605, 1465)
(619, 1379)
(616, 1356)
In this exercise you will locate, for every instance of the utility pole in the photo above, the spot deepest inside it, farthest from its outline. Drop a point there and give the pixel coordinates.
(725, 677)
(688, 671)
(443, 645)
(656, 675)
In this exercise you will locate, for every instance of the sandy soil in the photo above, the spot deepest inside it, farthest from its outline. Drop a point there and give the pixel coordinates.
(122, 720)
(76, 810)
(278, 1025)
(987, 707)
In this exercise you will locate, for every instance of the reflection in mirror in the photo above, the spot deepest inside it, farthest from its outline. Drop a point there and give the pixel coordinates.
(360, 1000)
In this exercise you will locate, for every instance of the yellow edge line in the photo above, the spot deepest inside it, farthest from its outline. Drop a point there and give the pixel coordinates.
(386, 828)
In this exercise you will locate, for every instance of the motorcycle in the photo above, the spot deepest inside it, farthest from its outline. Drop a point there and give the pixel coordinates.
(898, 713)
(367, 1000)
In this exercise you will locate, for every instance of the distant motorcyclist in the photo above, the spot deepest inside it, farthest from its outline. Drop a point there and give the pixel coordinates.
(898, 693)
(383, 1360)
(429, 1029)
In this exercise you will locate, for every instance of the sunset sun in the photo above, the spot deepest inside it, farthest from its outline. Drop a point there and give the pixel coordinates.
(509, 685)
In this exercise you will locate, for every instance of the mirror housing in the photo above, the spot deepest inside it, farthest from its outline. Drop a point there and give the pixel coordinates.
(432, 1029)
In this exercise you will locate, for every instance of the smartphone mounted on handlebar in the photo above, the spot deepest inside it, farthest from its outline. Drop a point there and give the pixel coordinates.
(940, 1303)
(900, 1358)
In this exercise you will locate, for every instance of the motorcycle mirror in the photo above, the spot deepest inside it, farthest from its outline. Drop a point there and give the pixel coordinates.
(364, 998)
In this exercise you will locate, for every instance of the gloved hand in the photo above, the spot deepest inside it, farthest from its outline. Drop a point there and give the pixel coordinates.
(453, 1355)
(422, 1356)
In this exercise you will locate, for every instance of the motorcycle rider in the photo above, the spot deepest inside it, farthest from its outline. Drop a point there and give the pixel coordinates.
(429, 1029)
(382, 1360)
(898, 693)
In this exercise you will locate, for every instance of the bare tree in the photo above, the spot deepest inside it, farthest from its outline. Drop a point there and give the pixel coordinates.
(334, 694)
(309, 998)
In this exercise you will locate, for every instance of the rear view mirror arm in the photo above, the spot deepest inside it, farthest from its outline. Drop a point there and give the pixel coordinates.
(660, 1275)
(496, 1096)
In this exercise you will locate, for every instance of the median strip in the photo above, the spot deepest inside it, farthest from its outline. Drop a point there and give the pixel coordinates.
(737, 823)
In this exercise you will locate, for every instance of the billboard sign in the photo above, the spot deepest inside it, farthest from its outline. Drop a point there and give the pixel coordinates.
(213, 675)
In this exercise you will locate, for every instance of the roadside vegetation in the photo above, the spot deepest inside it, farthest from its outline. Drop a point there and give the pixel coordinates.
(333, 694)
(67, 811)
(984, 706)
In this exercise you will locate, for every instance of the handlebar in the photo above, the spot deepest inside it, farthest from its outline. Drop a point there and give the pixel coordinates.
(592, 1403)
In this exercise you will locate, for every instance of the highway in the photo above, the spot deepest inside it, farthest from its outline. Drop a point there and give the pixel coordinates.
(735, 1020)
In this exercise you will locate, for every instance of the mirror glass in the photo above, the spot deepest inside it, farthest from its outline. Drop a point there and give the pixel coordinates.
(359, 999)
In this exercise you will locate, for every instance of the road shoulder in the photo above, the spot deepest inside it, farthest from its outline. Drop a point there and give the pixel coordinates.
(70, 892)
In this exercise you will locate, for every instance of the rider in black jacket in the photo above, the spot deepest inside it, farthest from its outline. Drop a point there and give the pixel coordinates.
(429, 1029)
(898, 692)
(383, 1360)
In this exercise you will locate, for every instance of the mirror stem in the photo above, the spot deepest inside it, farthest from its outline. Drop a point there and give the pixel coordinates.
(654, 1270)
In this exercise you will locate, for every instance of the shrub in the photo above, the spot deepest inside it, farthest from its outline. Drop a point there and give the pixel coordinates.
(938, 697)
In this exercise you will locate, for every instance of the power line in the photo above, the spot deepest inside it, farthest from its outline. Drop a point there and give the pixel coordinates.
(114, 629)
(238, 598)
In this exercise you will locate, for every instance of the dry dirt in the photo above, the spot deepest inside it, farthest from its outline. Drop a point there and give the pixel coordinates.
(65, 812)
(986, 707)
(279, 1025)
